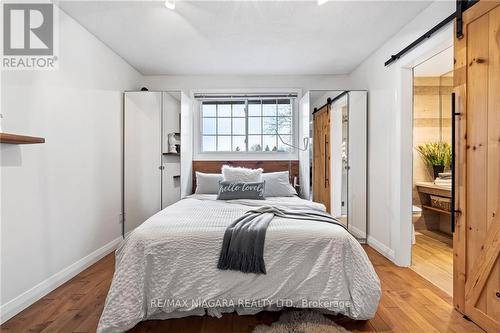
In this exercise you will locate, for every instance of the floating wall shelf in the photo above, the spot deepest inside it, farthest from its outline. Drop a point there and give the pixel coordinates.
(19, 139)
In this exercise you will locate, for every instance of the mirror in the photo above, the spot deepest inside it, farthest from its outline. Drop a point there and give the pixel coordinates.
(339, 124)
(338, 156)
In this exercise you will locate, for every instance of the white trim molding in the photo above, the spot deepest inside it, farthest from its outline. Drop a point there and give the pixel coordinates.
(21, 302)
(356, 232)
(381, 248)
(402, 227)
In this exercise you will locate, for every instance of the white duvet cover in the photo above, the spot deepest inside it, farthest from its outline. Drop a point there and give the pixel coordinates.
(167, 267)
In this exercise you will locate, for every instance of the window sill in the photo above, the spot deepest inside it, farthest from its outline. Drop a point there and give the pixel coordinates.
(246, 156)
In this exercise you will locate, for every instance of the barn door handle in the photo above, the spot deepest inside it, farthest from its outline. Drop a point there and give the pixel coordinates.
(327, 181)
(455, 174)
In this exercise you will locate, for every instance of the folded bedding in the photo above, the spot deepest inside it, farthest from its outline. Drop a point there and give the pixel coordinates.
(167, 267)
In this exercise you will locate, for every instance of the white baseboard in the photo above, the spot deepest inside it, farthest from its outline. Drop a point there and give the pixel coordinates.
(384, 250)
(13, 307)
(356, 232)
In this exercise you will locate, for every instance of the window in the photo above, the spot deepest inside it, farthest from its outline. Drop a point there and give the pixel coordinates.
(247, 125)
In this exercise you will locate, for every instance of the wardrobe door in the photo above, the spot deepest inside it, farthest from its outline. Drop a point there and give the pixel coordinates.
(305, 154)
(321, 156)
(357, 154)
(141, 156)
(477, 170)
(186, 145)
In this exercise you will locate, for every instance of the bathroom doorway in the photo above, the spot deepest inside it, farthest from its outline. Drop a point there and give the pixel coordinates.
(432, 241)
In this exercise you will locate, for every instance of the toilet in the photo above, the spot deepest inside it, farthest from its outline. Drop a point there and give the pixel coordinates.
(416, 214)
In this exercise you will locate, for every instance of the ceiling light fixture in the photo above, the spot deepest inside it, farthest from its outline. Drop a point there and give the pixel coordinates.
(170, 4)
(322, 2)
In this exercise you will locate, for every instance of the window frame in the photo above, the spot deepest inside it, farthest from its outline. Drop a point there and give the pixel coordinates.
(217, 135)
(232, 155)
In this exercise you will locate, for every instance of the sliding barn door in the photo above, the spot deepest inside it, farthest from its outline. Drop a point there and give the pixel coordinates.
(321, 156)
(477, 168)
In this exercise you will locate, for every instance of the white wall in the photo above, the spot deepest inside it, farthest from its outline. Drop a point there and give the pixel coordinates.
(60, 201)
(390, 130)
(319, 98)
(190, 83)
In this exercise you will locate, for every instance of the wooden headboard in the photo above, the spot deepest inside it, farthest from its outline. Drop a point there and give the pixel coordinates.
(268, 166)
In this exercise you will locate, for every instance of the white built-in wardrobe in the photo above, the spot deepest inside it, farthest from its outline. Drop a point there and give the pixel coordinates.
(151, 168)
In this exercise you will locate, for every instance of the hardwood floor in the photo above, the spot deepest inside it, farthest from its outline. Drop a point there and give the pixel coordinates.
(432, 257)
(409, 304)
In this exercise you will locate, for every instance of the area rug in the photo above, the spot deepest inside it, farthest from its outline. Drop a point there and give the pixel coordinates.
(301, 321)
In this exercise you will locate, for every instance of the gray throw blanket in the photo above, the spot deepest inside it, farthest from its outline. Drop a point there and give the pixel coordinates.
(243, 243)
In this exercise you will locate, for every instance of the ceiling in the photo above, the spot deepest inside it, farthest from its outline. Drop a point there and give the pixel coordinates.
(440, 64)
(243, 37)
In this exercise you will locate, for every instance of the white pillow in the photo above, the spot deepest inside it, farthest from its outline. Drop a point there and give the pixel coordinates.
(245, 175)
(207, 183)
(278, 185)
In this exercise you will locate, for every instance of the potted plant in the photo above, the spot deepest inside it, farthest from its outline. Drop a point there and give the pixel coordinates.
(436, 155)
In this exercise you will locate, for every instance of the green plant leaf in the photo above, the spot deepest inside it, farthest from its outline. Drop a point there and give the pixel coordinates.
(435, 153)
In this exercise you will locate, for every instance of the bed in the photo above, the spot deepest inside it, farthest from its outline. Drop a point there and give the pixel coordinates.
(167, 267)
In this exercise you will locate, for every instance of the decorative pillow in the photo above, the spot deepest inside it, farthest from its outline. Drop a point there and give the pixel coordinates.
(278, 184)
(245, 175)
(241, 190)
(207, 183)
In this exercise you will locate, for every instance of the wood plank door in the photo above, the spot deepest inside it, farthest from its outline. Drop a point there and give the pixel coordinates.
(321, 156)
(477, 171)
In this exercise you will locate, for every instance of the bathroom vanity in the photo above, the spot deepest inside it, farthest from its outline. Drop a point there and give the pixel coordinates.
(435, 200)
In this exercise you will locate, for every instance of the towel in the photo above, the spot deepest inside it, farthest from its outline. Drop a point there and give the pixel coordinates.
(444, 175)
(443, 182)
